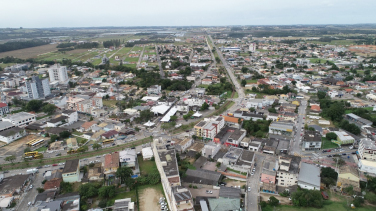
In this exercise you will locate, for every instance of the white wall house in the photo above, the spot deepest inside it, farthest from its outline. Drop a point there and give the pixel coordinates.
(72, 116)
(58, 73)
(20, 119)
(12, 134)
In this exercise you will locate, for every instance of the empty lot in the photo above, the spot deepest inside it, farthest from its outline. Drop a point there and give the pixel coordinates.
(16, 147)
(30, 52)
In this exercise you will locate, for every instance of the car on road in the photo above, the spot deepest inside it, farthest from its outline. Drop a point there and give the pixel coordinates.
(54, 164)
(254, 169)
(209, 192)
(324, 150)
(31, 186)
(59, 154)
(344, 154)
(252, 173)
(353, 153)
(249, 189)
(6, 172)
(29, 203)
(329, 156)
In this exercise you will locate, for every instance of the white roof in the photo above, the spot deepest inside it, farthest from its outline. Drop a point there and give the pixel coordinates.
(5, 202)
(170, 113)
(343, 136)
(197, 114)
(127, 155)
(148, 124)
(147, 152)
(161, 109)
(146, 98)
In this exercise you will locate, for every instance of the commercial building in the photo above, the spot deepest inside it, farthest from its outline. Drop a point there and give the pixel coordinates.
(359, 121)
(71, 171)
(123, 205)
(281, 128)
(37, 88)
(9, 135)
(210, 150)
(201, 176)
(367, 166)
(155, 89)
(311, 141)
(58, 73)
(309, 177)
(20, 119)
(9, 186)
(344, 138)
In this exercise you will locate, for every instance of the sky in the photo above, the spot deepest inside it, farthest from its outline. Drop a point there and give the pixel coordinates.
(92, 13)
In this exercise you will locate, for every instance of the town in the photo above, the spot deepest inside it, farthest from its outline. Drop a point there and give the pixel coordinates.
(201, 118)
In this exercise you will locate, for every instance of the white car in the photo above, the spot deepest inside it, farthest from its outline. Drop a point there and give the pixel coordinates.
(249, 189)
(252, 173)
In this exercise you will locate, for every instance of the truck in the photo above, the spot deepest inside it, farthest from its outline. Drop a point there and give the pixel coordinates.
(177, 126)
(32, 171)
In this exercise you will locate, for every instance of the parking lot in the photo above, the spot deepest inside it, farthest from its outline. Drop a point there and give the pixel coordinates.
(17, 147)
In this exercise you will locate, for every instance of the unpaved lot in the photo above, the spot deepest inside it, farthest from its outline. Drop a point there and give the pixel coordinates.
(234, 183)
(16, 147)
(282, 200)
(211, 166)
(149, 199)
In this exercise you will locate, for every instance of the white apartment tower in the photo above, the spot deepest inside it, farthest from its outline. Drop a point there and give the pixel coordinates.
(58, 73)
(252, 47)
(37, 88)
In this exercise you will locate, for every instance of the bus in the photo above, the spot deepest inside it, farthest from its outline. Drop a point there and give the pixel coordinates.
(72, 151)
(34, 153)
(108, 141)
(37, 143)
(30, 142)
(38, 156)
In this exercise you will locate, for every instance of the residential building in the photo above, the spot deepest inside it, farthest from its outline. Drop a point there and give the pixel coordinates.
(72, 116)
(12, 185)
(111, 164)
(72, 143)
(128, 158)
(367, 166)
(344, 138)
(58, 73)
(155, 89)
(288, 172)
(281, 128)
(367, 149)
(86, 106)
(311, 141)
(20, 119)
(210, 150)
(309, 177)
(123, 205)
(183, 145)
(147, 153)
(182, 199)
(224, 204)
(4, 109)
(71, 171)
(209, 127)
(95, 173)
(37, 88)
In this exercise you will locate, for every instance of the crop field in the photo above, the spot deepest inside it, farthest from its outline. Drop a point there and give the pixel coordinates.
(334, 42)
(30, 52)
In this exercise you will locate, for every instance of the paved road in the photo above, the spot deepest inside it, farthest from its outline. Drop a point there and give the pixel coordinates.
(140, 58)
(159, 62)
(254, 183)
(238, 88)
(295, 143)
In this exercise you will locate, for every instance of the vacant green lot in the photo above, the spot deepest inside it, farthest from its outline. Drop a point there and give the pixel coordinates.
(326, 144)
(146, 166)
(109, 103)
(251, 81)
(317, 60)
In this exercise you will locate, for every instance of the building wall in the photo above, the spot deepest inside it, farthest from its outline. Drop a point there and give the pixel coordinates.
(286, 179)
(308, 186)
(72, 176)
(10, 139)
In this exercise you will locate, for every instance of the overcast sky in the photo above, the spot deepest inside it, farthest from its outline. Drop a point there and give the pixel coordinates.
(88, 13)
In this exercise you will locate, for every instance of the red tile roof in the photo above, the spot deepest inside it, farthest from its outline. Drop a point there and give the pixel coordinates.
(52, 184)
(3, 105)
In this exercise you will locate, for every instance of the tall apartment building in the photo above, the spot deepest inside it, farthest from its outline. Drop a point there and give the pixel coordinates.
(37, 88)
(288, 172)
(58, 73)
(252, 47)
(367, 149)
(209, 127)
(86, 106)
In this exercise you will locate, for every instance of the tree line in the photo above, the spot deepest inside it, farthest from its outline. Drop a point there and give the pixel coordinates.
(11, 46)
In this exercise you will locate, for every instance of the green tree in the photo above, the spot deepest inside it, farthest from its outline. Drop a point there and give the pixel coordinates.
(54, 138)
(218, 60)
(34, 105)
(91, 119)
(331, 136)
(272, 110)
(243, 83)
(83, 149)
(27, 149)
(273, 201)
(293, 83)
(96, 146)
(49, 109)
(321, 94)
(107, 191)
(124, 173)
(40, 190)
(10, 158)
(173, 118)
(65, 134)
(339, 161)
(88, 190)
(204, 106)
(244, 69)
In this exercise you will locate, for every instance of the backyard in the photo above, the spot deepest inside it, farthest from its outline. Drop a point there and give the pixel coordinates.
(146, 166)
(326, 144)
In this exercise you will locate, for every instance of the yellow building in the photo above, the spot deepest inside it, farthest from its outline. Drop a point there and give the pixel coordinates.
(295, 102)
(348, 176)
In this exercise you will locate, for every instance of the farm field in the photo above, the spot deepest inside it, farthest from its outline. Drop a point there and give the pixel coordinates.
(30, 52)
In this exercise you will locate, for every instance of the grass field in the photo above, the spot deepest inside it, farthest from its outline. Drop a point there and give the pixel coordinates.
(146, 166)
(41, 149)
(326, 144)
(2, 65)
(258, 95)
(350, 110)
(251, 81)
(30, 52)
(317, 60)
(110, 103)
(334, 42)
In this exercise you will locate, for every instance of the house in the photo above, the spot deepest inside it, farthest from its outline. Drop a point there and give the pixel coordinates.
(311, 141)
(147, 153)
(11, 134)
(315, 108)
(72, 143)
(210, 150)
(224, 204)
(55, 122)
(183, 145)
(128, 158)
(20, 119)
(309, 177)
(111, 164)
(155, 89)
(12, 185)
(71, 171)
(53, 184)
(123, 205)
(87, 126)
(72, 116)
(4, 108)
(201, 176)
(110, 134)
(182, 199)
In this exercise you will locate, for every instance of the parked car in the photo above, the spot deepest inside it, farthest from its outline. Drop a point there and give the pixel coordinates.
(54, 164)
(209, 191)
(249, 189)
(329, 156)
